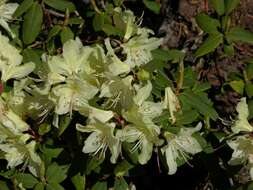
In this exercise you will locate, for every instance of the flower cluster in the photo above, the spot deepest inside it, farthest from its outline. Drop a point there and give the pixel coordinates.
(99, 83)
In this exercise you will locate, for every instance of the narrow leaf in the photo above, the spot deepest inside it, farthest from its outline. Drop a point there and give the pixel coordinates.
(200, 103)
(54, 31)
(239, 34)
(61, 5)
(230, 5)
(23, 7)
(219, 6)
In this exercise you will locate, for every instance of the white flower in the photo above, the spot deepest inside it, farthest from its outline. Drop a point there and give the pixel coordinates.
(138, 49)
(10, 61)
(116, 66)
(6, 12)
(100, 139)
(141, 131)
(241, 123)
(242, 152)
(72, 62)
(171, 102)
(147, 108)
(72, 95)
(179, 146)
(14, 143)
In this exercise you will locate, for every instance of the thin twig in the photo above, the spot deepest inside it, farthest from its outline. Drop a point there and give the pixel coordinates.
(52, 12)
(93, 2)
(180, 80)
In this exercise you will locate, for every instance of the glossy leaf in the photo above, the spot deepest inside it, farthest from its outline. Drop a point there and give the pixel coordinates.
(239, 34)
(54, 186)
(56, 173)
(219, 6)
(238, 86)
(54, 31)
(120, 184)
(27, 180)
(230, 5)
(39, 186)
(152, 5)
(99, 186)
(249, 89)
(199, 102)
(35, 12)
(78, 181)
(23, 8)
(66, 34)
(61, 5)
(209, 45)
(207, 23)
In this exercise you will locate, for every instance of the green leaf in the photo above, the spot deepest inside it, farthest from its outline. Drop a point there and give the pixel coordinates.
(39, 186)
(4, 186)
(199, 102)
(64, 123)
(209, 45)
(250, 105)
(208, 24)
(152, 5)
(66, 34)
(118, 3)
(120, 184)
(54, 186)
(229, 50)
(78, 181)
(56, 174)
(230, 5)
(22, 8)
(100, 186)
(187, 117)
(122, 168)
(30, 55)
(44, 128)
(27, 180)
(54, 31)
(61, 5)
(32, 23)
(111, 30)
(249, 89)
(52, 152)
(249, 70)
(98, 22)
(172, 55)
(237, 85)
(239, 34)
(93, 164)
(77, 21)
(33, 55)
(219, 6)
(250, 186)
